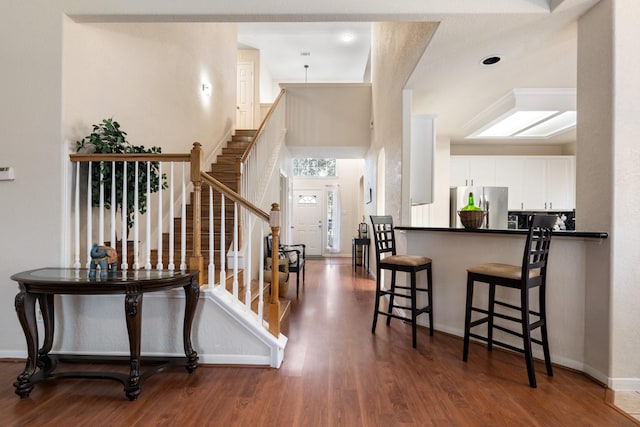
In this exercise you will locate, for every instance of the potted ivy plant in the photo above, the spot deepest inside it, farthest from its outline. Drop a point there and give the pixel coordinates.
(108, 137)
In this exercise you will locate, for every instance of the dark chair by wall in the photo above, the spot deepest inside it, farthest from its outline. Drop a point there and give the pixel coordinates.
(385, 243)
(531, 274)
(295, 254)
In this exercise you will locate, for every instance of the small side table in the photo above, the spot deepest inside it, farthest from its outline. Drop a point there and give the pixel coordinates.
(364, 242)
(43, 284)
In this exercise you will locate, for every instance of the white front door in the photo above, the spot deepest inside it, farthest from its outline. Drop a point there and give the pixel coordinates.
(244, 113)
(307, 220)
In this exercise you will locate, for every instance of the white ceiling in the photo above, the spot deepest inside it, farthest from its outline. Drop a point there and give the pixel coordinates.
(537, 50)
(329, 58)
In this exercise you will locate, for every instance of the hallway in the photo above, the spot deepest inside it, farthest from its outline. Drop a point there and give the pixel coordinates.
(335, 373)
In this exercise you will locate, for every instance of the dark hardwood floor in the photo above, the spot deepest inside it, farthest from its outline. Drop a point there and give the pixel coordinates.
(335, 373)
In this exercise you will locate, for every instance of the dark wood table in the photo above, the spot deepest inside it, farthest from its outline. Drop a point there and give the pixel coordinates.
(363, 242)
(43, 284)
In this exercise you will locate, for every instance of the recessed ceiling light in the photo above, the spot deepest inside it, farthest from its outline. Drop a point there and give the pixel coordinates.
(347, 37)
(490, 60)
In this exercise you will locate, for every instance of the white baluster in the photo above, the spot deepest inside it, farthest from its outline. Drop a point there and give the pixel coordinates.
(235, 250)
(183, 223)
(112, 233)
(261, 278)
(223, 248)
(147, 237)
(136, 234)
(247, 267)
(171, 265)
(125, 214)
(89, 221)
(159, 265)
(212, 266)
(76, 220)
(101, 208)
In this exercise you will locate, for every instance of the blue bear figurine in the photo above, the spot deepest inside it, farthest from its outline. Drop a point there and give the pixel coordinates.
(106, 258)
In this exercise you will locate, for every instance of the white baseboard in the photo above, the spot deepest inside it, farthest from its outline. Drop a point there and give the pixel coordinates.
(624, 384)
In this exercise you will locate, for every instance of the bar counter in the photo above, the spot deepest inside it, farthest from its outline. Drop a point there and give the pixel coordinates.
(453, 250)
(512, 232)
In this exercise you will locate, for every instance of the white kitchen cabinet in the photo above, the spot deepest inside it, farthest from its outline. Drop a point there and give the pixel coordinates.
(510, 173)
(549, 183)
(534, 196)
(472, 171)
(561, 183)
(540, 183)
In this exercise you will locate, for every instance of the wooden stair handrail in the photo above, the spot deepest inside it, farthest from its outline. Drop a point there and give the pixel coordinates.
(273, 219)
(261, 128)
(116, 157)
(217, 185)
(198, 177)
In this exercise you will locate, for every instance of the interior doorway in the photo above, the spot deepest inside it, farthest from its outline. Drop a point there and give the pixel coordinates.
(244, 112)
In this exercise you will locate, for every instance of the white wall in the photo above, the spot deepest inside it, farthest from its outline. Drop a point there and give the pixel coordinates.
(607, 185)
(518, 149)
(62, 77)
(626, 185)
(328, 120)
(396, 49)
(148, 77)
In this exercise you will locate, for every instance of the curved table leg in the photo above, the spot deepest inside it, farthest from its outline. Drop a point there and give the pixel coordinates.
(133, 309)
(192, 293)
(47, 310)
(25, 304)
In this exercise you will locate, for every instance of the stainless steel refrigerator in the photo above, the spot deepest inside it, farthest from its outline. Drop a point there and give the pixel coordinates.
(494, 200)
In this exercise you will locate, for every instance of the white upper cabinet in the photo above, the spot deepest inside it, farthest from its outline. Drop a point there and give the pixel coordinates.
(541, 183)
(561, 183)
(509, 173)
(535, 184)
(472, 171)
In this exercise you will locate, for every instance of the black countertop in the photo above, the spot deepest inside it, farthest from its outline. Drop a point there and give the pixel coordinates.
(514, 232)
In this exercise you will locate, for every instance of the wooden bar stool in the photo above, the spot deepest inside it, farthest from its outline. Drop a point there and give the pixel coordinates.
(385, 242)
(531, 274)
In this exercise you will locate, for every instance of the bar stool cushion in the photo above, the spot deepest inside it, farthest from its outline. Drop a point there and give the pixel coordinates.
(505, 271)
(408, 260)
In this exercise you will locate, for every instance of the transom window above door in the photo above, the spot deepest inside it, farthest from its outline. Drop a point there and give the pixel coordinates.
(314, 167)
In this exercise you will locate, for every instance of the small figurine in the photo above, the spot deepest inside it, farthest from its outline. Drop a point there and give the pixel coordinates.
(106, 258)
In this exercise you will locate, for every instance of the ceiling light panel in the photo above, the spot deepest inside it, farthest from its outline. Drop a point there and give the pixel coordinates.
(514, 123)
(526, 113)
(555, 125)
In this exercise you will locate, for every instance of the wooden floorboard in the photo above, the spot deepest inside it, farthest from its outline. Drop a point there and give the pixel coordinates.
(335, 373)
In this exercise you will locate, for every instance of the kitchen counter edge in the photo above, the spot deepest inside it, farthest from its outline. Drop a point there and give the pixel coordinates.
(514, 232)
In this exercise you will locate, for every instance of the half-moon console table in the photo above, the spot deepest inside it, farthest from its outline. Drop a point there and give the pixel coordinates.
(43, 284)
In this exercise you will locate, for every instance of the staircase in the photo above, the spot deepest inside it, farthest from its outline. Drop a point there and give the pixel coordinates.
(226, 169)
(245, 337)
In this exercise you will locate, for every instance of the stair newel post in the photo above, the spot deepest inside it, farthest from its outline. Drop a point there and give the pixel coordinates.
(274, 305)
(195, 261)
